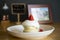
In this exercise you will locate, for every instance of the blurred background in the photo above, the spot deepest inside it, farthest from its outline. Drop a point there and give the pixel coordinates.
(55, 6)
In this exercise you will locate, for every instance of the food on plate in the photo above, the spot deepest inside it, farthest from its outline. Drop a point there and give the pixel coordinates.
(31, 26)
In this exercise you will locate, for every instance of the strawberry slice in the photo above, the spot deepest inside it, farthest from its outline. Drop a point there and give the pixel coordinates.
(41, 30)
(31, 17)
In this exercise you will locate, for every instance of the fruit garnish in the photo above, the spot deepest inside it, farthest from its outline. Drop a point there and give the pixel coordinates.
(31, 17)
(41, 30)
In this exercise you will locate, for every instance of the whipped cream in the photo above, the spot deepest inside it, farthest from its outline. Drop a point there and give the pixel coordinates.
(31, 25)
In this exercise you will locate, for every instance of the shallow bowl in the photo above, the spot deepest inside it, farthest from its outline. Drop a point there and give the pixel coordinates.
(17, 31)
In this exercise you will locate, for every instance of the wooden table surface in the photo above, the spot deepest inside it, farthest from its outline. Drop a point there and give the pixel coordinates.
(54, 36)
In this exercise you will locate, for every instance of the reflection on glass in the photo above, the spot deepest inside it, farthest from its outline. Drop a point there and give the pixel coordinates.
(40, 13)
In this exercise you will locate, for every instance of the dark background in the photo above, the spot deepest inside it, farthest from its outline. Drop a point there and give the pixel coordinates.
(54, 6)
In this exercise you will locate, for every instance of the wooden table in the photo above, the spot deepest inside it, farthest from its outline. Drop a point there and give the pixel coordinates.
(54, 36)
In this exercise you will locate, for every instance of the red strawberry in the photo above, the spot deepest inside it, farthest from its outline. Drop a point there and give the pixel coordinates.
(41, 30)
(31, 17)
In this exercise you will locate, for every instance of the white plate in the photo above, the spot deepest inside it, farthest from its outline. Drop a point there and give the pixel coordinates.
(17, 31)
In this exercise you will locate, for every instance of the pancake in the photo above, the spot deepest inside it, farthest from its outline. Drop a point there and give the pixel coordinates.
(31, 26)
